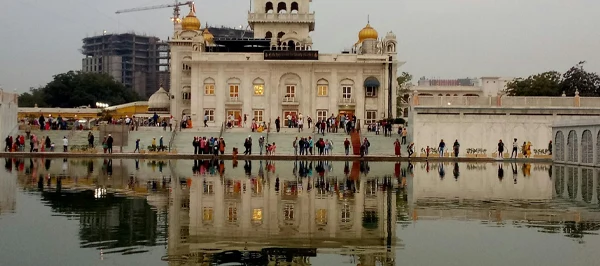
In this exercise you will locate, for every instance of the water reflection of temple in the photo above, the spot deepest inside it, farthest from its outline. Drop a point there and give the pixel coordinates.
(8, 188)
(274, 218)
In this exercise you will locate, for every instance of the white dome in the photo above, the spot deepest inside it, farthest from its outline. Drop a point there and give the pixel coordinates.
(159, 101)
(390, 35)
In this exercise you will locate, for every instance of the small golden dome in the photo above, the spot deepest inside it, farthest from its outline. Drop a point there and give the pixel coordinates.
(190, 22)
(208, 37)
(367, 32)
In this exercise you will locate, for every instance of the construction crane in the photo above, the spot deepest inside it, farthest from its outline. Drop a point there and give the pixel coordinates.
(176, 9)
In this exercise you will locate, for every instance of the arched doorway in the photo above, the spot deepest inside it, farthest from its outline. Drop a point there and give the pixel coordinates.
(572, 147)
(559, 146)
(281, 8)
(269, 7)
(587, 147)
(268, 35)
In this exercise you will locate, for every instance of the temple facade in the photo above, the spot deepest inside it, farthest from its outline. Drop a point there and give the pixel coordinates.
(278, 72)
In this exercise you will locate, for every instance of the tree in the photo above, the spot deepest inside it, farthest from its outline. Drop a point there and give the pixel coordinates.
(73, 89)
(34, 97)
(544, 84)
(577, 79)
(403, 89)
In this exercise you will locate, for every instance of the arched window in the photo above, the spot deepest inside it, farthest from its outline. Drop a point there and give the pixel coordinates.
(281, 8)
(391, 47)
(322, 87)
(269, 7)
(455, 95)
(291, 45)
(448, 94)
(268, 35)
(258, 86)
(186, 93)
(440, 94)
(559, 146)
(294, 8)
(587, 147)
(280, 34)
(572, 147)
(598, 148)
(371, 85)
(209, 86)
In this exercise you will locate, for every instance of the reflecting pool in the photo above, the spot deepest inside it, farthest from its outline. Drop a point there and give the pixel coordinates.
(185, 212)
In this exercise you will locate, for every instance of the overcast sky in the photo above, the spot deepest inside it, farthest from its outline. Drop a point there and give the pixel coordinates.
(437, 38)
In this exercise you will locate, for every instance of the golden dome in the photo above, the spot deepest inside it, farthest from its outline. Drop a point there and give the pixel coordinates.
(367, 32)
(190, 22)
(208, 37)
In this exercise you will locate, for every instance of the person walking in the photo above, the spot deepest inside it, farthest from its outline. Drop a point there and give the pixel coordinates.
(404, 133)
(295, 146)
(456, 148)
(65, 144)
(500, 149)
(441, 147)
(278, 124)
(397, 148)
(90, 139)
(261, 144)
(515, 149)
(550, 147)
(137, 146)
(109, 143)
(346, 146)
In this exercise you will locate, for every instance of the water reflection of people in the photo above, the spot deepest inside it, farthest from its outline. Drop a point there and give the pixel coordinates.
(526, 169)
(137, 164)
(500, 172)
(40, 183)
(90, 166)
(427, 166)
(47, 164)
(456, 171)
(248, 167)
(109, 168)
(441, 170)
(514, 171)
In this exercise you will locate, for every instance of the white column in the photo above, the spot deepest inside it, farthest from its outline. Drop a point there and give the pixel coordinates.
(579, 197)
(359, 95)
(334, 93)
(246, 94)
(594, 186)
(221, 93)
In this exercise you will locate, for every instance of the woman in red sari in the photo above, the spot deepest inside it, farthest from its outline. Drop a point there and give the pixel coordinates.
(397, 148)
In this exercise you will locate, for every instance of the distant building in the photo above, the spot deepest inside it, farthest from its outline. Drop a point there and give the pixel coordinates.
(485, 86)
(139, 62)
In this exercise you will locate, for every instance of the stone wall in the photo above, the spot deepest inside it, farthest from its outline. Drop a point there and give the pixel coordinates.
(483, 127)
(8, 113)
(577, 142)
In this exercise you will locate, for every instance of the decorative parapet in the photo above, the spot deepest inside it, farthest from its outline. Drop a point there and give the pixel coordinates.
(505, 101)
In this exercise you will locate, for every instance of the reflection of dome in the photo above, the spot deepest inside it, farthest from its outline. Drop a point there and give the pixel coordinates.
(190, 22)
(159, 101)
(208, 37)
(367, 32)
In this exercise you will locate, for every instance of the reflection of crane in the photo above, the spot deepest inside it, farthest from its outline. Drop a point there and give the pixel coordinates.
(175, 6)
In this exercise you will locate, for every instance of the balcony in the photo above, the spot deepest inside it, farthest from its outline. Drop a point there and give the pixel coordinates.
(282, 18)
(347, 101)
(234, 101)
(288, 100)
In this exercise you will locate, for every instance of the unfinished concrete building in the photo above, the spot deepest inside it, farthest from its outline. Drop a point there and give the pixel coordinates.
(139, 62)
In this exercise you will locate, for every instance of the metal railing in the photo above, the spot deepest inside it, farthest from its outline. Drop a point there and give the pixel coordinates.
(347, 100)
(234, 100)
(281, 17)
(288, 99)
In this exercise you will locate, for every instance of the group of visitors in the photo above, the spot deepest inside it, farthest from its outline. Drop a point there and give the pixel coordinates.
(304, 146)
(211, 145)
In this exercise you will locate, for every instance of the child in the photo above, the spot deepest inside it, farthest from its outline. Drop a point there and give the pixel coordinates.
(52, 147)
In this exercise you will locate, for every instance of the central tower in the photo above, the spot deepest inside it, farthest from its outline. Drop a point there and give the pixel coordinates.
(276, 18)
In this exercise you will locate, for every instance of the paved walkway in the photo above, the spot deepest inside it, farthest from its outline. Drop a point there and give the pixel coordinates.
(174, 156)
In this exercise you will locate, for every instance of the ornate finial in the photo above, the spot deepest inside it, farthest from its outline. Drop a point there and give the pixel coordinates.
(161, 84)
(564, 94)
(368, 19)
(576, 92)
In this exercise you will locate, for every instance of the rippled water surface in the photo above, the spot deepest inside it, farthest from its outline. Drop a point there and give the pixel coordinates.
(129, 212)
